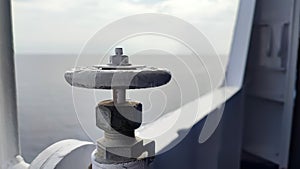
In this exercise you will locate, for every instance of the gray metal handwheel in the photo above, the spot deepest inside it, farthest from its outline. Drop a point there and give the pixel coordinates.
(118, 74)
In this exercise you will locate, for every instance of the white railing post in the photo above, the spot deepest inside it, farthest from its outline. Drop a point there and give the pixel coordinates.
(9, 136)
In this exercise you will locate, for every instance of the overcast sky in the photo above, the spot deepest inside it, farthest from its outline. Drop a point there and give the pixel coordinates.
(64, 26)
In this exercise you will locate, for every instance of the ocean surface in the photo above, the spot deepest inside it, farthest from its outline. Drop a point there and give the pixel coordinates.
(50, 110)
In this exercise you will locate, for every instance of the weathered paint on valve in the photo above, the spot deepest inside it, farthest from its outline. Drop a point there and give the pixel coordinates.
(138, 164)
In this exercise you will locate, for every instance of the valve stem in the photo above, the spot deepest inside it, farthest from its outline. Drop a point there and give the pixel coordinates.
(119, 96)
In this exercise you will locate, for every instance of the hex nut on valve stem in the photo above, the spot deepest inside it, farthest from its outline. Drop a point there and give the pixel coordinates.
(118, 117)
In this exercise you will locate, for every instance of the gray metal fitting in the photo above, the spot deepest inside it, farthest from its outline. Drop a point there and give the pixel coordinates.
(114, 148)
(123, 118)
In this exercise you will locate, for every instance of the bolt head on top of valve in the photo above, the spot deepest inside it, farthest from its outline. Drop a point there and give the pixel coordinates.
(119, 59)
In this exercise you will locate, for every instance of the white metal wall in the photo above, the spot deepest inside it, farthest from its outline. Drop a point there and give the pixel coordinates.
(270, 80)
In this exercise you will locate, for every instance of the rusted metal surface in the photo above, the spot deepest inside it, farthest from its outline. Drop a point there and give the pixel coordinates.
(121, 118)
(137, 164)
(117, 74)
(95, 77)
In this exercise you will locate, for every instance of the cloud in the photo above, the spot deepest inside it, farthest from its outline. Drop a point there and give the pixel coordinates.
(63, 26)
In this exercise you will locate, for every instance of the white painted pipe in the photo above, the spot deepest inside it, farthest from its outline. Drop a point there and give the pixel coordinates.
(9, 137)
(65, 154)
